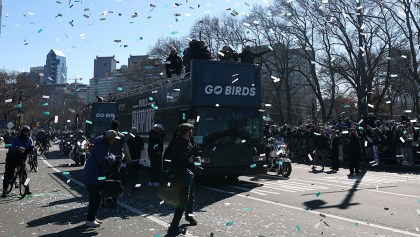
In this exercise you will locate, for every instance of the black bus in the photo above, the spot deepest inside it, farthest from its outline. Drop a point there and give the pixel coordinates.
(223, 102)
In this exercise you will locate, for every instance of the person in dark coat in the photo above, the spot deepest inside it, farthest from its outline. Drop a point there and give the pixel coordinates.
(182, 156)
(155, 150)
(173, 64)
(227, 54)
(247, 56)
(135, 146)
(95, 171)
(354, 152)
(321, 149)
(335, 145)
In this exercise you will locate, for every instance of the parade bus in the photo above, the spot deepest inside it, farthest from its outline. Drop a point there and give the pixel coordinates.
(223, 102)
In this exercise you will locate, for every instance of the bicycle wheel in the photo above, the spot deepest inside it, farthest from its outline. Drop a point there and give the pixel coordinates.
(39, 150)
(22, 178)
(30, 162)
(12, 182)
(35, 162)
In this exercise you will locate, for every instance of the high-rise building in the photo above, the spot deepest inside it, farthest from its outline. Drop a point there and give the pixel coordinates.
(55, 69)
(103, 66)
(133, 60)
(36, 74)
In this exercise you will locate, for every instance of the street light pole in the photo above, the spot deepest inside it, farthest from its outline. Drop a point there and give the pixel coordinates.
(362, 65)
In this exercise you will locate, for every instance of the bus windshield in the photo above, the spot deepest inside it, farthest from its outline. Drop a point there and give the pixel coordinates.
(229, 126)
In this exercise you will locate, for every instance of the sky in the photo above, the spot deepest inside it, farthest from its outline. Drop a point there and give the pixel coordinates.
(84, 29)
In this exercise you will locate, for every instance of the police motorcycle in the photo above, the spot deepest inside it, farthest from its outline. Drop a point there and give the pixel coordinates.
(81, 152)
(67, 145)
(279, 159)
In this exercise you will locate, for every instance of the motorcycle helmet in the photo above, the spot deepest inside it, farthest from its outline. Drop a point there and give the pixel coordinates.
(25, 128)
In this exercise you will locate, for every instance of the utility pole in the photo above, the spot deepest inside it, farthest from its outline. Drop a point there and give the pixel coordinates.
(362, 65)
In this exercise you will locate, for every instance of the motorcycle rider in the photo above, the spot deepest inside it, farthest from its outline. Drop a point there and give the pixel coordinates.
(80, 138)
(22, 145)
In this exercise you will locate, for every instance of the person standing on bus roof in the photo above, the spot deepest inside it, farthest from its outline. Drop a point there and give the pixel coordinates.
(247, 56)
(173, 64)
(227, 54)
(155, 150)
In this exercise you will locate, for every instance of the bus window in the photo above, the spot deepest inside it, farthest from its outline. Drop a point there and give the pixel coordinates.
(246, 127)
(214, 126)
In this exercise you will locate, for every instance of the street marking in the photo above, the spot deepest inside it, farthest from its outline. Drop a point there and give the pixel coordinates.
(363, 189)
(121, 204)
(319, 213)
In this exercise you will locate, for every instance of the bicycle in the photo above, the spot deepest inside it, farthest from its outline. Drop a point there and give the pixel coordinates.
(33, 161)
(41, 148)
(19, 172)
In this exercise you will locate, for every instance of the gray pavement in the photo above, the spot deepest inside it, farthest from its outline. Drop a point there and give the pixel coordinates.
(376, 203)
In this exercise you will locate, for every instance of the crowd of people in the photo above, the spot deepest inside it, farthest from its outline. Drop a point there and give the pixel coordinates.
(113, 161)
(198, 50)
(376, 141)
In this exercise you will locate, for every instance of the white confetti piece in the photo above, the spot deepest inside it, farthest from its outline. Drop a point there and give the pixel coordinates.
(161, 202)
(413, 120)
(366, 143)
(402, 140)
(370, 105)
(407, 111)
(344, 132)
(217, 105)
(68, 181)
(317, 225)
(137, 185)
(310, 157)
(8, 101)
(26, 181)
(388, 102)
(197, 119)
(45, 97)
(169, 184)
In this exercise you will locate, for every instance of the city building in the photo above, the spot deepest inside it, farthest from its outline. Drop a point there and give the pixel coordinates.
(133, 60)
(104, 66)
(36, 74)
(55, 69)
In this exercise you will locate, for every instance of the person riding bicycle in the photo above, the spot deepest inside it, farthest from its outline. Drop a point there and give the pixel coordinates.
(21, 146)
(41, 137)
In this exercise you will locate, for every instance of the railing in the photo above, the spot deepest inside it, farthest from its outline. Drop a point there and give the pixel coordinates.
(390, 152)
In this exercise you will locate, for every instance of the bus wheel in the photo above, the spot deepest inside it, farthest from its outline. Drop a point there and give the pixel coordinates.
(232, 179)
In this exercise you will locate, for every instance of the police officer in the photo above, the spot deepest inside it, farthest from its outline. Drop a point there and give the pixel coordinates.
(21, 146)
(183, 162)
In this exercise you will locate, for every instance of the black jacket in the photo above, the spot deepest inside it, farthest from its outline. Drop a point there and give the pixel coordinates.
(176, 63)
(249, 56)
(179, 155)
(155, 143)
(135, 146)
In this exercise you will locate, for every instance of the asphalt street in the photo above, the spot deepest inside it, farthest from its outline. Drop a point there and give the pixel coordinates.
(376, 203)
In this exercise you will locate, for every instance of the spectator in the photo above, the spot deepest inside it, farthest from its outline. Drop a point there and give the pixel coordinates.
(354, 152)
(135, 146)
(100, 158)
(155, 149)
(335, 144)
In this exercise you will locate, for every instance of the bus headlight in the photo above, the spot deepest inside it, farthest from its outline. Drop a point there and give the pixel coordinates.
(258, 158)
